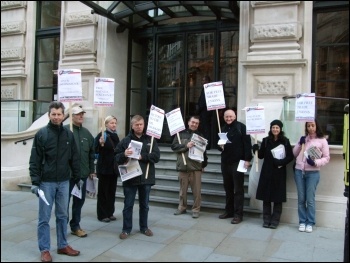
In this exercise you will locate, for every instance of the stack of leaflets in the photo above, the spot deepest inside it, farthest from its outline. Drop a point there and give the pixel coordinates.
(132, 167)
(196, 152)
(279, 152)
(313, 152)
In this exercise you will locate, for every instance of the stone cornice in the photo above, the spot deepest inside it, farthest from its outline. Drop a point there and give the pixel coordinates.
(274, 62)
(13, 28)
(256, 4)
(79, 19)
(5, 5)
(86, 46)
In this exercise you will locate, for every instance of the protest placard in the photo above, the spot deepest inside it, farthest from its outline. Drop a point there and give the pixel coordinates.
(104, 92)
(305, 107)
(155, 122)
(69, 85)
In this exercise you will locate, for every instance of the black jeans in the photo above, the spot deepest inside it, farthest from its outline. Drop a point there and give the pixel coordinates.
(234, 189)
(77, 205)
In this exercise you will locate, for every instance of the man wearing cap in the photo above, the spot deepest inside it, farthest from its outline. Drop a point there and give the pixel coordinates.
(85, 146)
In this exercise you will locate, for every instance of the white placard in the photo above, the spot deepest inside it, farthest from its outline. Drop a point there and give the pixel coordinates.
(155, 122)
(175, 121)
(255, 119)
(69, 85)
(214, 95)
(104, 92)
(305, 107)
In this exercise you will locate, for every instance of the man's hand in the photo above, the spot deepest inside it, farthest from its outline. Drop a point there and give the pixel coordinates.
(302, 140)
(35, 190)
(80, 184)
(255, 147)
(310, 161)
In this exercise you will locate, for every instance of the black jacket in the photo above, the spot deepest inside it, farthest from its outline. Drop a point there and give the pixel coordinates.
(147, 158)
(105, 161)
(272, 181)
(240, 146)
(52, 159)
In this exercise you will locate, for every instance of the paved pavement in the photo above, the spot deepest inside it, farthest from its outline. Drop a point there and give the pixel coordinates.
(176, 238)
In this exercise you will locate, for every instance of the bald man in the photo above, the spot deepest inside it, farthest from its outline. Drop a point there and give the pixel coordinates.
(238, 149)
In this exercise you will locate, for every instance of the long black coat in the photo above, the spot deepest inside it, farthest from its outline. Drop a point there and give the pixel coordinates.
(272, 181)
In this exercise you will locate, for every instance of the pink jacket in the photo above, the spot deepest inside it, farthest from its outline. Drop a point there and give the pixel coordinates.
(320, 143)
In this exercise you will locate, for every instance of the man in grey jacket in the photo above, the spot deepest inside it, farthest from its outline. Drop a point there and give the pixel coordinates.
(191, 172)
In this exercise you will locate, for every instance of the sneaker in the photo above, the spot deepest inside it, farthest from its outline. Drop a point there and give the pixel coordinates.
(179, 212)
(302, 227)
(308, 229)
(79, 233)
(148, 232)
(106, 220)
(124, 235)
(112, 218)
(195, 214)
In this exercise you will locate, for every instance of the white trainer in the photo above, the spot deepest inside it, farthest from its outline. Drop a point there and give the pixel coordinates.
(302, 228)
(308, 229)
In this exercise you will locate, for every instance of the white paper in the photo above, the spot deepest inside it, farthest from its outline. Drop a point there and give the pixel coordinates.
(223, 138)
(136, 149)
(214, 95)
(129, 170)
(196, 154)
(241, 167)
(199, 141)
(279, 152)
(92, 187)
(76, 191)
(155, 122)
(42, 196)
(175, 121)
(104, 92)
(313, 152)
(255, 119)
(69, 85)
(305, 107)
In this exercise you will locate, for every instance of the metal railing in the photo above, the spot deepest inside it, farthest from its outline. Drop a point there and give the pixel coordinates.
(329, 114)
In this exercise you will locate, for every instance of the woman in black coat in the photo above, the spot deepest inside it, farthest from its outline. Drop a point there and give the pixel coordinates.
(272, 181)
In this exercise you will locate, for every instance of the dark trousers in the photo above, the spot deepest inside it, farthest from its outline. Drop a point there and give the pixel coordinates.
(77, 205)
(107, 185)
(234, 189)
(269, 216)
(129, 200)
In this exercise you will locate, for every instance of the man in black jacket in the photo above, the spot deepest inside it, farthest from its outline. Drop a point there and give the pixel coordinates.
(239, 148)
(53, 159)
(191, 172)
(142, 183)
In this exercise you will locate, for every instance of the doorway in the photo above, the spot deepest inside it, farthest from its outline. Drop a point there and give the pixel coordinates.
(167, 69)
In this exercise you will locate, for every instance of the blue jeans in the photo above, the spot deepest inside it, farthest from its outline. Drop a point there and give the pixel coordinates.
(306, 182)
(57, 192)
(129, 200)
(76, 205)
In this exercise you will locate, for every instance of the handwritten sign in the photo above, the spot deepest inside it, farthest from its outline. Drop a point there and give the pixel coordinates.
(214, 95)
(155, 122)
(175, 121)
(69, 85)
(255, 119)
(305, 107)
(104, 92)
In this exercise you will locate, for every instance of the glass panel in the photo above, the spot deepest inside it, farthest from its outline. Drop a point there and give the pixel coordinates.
(50, 14)
(49, 49)
(331, 27)
(229, 66)
(170, 74)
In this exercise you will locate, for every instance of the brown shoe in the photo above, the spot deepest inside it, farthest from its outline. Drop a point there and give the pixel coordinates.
(236, 220)
(79, 233)
(69, 251)
(225, 215)
(148, 232)
(124, 235)
(45, 256)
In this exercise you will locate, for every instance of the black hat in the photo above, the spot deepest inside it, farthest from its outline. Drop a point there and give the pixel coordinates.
(276, 122)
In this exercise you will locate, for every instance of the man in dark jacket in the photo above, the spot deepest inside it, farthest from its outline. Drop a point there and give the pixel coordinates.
(149, 155)
(239, 148)
(85, 147)
(54, 158)
(191, 172)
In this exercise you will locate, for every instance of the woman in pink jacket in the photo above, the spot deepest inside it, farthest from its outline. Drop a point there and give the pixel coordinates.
(307, 172)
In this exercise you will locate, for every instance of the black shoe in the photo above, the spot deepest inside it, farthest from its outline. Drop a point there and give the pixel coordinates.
(236, 220)
(266, 225)
(225, 215)
(273, 226)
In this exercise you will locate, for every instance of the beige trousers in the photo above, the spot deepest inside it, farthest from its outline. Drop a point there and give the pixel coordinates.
(194, 179)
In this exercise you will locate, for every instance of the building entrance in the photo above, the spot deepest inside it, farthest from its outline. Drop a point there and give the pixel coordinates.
(167, 71)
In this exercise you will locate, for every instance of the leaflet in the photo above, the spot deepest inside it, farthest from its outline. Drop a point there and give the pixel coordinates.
(136, 149)
(241, 167)
(76, 191)
(223, 138)
(279, 152)
(42, 196)
(313, 152)
(129, 170)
